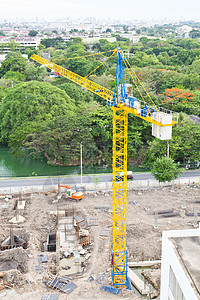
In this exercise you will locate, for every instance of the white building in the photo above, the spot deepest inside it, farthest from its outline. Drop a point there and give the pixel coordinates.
(180, 269)
(21, 43)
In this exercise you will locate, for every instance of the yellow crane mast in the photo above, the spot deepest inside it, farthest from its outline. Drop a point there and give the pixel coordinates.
(122, 102)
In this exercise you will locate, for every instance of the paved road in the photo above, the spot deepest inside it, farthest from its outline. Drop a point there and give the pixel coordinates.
(72, 180)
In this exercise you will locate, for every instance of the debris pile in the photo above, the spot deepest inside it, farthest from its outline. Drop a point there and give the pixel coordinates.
(61, 283)
(3, 283)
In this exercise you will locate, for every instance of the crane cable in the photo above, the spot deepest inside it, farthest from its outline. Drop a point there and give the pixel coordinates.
(142, 85)
(100, 64)
(135, 82)
(86, 55)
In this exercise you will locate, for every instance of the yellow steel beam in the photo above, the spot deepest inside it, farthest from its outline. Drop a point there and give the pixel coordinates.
(148, 118)
(93, 87)
(83, 82)
(120, 126)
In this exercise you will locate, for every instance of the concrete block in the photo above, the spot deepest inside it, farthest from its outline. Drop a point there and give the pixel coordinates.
(21, 204)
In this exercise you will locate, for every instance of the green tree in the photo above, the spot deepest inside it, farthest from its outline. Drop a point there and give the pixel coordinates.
(2, 33)
(138, 31)
(13, 62)
(79, 66)
(41, 47)
(76, 93)
(57, 139)
(33, 33)
(183, 146)
(32, 101)
(51, 42)
(33, 72)
(16, 77)
(194, 34)
(1, 95)
(101, 130)
(165, 169)
(141, 59)
(186, 142)
(13, 45)
(195, 67)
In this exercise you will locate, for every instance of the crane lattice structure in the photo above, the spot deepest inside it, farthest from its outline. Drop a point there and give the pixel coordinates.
(122, 102)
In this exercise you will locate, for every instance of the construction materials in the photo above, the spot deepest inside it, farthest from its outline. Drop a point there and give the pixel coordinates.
(167, 213)
(148, 263)
(92, 222)
(49, 297)
(3, 283)
(191, 214)
(110, 289)
(61, 283)
(105, 233)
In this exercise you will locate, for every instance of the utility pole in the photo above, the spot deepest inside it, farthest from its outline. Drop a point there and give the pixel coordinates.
(168, 149)
(81, 163)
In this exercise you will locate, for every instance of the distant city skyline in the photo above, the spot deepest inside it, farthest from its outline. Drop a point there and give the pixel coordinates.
(104, 9)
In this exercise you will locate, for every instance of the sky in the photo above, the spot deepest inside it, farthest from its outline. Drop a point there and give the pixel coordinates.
(113, 9)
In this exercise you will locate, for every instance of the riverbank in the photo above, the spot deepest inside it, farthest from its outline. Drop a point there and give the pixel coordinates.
(11, 167)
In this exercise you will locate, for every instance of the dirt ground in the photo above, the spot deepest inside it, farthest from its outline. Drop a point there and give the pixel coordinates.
(145, 224)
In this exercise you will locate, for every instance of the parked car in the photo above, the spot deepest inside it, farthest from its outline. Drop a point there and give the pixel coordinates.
(129, 175)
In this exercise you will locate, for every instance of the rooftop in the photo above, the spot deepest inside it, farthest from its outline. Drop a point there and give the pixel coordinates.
(188, 249)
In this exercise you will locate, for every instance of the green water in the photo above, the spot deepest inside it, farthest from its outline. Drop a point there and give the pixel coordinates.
(12, 167)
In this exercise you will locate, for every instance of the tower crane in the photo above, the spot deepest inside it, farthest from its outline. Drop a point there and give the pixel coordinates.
(122, 103)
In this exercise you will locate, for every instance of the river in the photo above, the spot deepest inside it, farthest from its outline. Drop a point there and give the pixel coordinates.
(12, 167)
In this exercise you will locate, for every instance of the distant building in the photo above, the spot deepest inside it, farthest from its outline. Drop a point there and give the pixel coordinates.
(22, 42)
(180, 269)
(184, 30)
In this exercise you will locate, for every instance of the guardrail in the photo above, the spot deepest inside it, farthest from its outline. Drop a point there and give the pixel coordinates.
(101, 186)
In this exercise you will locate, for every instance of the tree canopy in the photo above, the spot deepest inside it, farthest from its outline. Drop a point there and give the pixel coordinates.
(32, 101)
(14, 62)
(33, 33)
(164, 169)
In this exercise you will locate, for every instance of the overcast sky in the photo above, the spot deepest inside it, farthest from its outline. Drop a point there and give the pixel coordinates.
(114, 9)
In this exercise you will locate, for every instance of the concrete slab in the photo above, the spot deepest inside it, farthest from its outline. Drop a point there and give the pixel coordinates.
(188, 249)
(73, 266)
(137, 282)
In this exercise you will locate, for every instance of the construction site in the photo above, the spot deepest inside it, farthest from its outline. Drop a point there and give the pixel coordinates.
(53, 247)
(97, 243)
